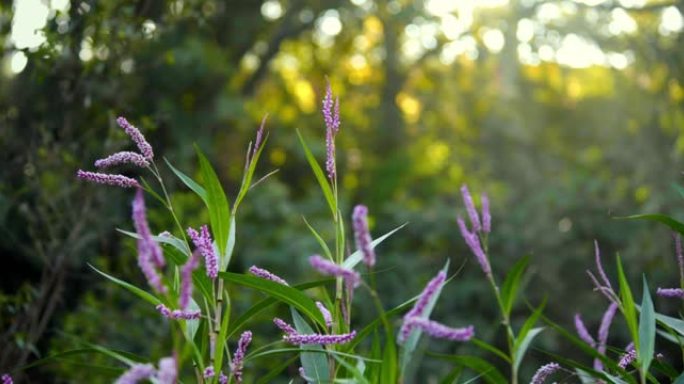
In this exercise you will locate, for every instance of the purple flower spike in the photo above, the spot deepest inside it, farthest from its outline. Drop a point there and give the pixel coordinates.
(419, 307)
(208, 372)
(327, 267)
(123, 157)
(332, 125)
(223, 379)
(362, 234)
(186, 280)
(473, 242)
(671, 292)
(259, 137)
(628, 357)
(316, 338)
(264, 274)
(441, 331)
(544, 372)
(599, 266)
(136, 373)
(486, 215)
(107, 179)
(6, 379)
(149, 254)
(239, 356)
(470, 207)
(137, 137)
(285, 327)
(606, 321)
(168, 371)
(177, 314)
(205, 245)
(326, 314)
(582, 331)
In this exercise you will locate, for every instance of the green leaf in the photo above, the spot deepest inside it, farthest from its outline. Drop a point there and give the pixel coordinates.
(320, 176)
(217, 204)
(388, 373)
(488, 372)
(189, 182)
(170, 240)
(523, 343)
(647, 330)
(411, 342)
(357, 256)
(250, 167)
(529, 323)
(667, 220)
(273, 374)
(131, 288)
(281, 292)
(490, 348)
(231, 244)
(319, 239)
(679, 380)
(510, 287)
(355, 371)
(628, 308)
(315, 364)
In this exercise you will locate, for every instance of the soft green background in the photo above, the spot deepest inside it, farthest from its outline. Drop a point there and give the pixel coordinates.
(429, 100)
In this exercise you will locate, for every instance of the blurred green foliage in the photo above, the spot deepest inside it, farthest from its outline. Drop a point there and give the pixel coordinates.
(560, 150)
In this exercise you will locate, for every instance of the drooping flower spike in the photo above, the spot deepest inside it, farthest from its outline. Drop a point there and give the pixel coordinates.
(123, 157)
(362, 234)
(136, 374)
(671, 292)
(293, 337)
(327, 317)
(440, 331)
(107, 179)
(150, 256)
(239, 357)
(178, 314)
(186, 280)
(137, 137)
(284, 326)
(628, 357)
(544, 372)
(472, 237)
(205, 245)
(419, 307)
(168, 371)
(327, 267)
(264, 274)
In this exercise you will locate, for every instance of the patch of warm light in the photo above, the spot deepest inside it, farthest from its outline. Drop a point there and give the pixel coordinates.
(18, 62)
(330, 23)
(494, 40)
(621, 22)
(437, 154)
(465, 45)
(271, 10)
(671, 21)
(591, 3)
(29, 17)
(305, 96)
(451, 27)
(86, 53)
(60, 5)
(410, 106)
(525, 31)
(548, 12)
(576, 52)
(617, 60)
(546, 52)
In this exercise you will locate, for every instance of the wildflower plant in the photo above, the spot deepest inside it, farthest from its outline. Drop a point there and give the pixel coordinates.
(190, 287)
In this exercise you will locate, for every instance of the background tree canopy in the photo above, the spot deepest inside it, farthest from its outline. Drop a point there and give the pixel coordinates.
(567, 113)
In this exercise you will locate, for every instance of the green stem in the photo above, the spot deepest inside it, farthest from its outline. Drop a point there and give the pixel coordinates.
(510, 335)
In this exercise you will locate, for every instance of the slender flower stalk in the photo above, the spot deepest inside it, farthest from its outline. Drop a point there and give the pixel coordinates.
(149, 254)
(284, 326)
(671, 292)
(544, 372)
(419, 307)
(6, 379)
(239, 356)
(168, 371)
(123, 157)
(327, 267)
(186, 280)
(137, 137)
(317, 338)
(205, 245)
(136, 374)
(264, 274)
(486, 215)
(583, 332)
(331, 116)
(326, 314)
(473, 242)
(178, 314)
(470, 207)
(107, 179)
(439, 330)
(259, 138)
(362, 234)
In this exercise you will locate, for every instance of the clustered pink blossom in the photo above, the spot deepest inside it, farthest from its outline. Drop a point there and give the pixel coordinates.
(168, 371)
(205, 245)
(293, 337)
(264, 274)
(123, 157)
(331, 116)
(327, 267)
(178, 314)
(326, 314)
(150, 256)
(107, 179)
(209, 372)
(239, 356)
(6, 379)
(362, 234)
(544, 372)
(136, 373)
(472, 238)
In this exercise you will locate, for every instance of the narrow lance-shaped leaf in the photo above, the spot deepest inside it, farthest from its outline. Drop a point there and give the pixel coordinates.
(647, 331)
(320, 176)
(217, 203)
